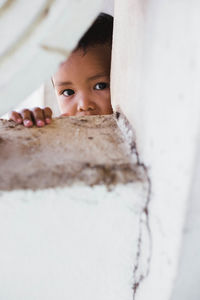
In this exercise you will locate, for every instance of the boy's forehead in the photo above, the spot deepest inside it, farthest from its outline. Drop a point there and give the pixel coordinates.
(94, 59)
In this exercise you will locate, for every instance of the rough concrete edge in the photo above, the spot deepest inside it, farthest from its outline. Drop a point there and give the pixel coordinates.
(104, 175)
(108, 175)
(130, 137)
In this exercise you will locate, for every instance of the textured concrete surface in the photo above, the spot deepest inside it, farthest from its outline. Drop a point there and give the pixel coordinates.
(91, 150)
(88, 238)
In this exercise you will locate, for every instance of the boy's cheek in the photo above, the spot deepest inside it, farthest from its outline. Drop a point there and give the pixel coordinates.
(67, 109)
(105, 106)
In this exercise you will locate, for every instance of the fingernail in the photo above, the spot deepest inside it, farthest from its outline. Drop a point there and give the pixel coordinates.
(19, 121)
(48, 121)
(28, 123)
(40, 123)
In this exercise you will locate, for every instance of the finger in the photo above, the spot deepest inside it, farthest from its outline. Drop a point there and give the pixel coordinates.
(16, 117)
(47, 114)
(38, 116)
(27, 119)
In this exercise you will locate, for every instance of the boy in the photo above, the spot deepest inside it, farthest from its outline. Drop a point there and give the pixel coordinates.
(82, 83)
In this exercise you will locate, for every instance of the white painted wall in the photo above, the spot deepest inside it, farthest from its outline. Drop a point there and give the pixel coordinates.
(58, 245)
(187, 280)
(155, 81)
(108, 7)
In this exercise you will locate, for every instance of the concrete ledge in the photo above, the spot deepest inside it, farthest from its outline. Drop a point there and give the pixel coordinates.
(83, 233)
(89, 150)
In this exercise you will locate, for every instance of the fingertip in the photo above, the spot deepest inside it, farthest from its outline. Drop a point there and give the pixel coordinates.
(48, 120)
(28, 123)
(19, 120)
(40, 123)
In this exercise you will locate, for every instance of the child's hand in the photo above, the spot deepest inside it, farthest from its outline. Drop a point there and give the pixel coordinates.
(38, 116)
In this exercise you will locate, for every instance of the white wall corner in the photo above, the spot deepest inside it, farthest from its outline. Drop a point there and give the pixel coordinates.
(155, 81)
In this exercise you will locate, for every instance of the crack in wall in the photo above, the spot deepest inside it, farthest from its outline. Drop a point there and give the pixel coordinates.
(144, 221)
(144, 224)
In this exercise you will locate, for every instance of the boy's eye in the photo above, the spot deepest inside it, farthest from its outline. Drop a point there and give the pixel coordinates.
(101, 86)
(68, 92)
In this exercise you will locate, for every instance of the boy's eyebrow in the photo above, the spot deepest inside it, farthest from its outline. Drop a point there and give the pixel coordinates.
(63, 83)
(60, 83)
(98, 76)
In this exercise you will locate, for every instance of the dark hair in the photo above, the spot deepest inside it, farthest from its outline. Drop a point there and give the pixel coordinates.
(100, 32)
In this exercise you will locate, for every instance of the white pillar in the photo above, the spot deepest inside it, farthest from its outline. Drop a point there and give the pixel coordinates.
(155, 81)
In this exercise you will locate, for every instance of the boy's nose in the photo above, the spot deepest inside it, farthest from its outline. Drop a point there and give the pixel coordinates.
(85, 104)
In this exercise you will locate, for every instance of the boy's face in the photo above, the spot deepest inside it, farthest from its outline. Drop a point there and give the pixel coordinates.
(82, 83)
